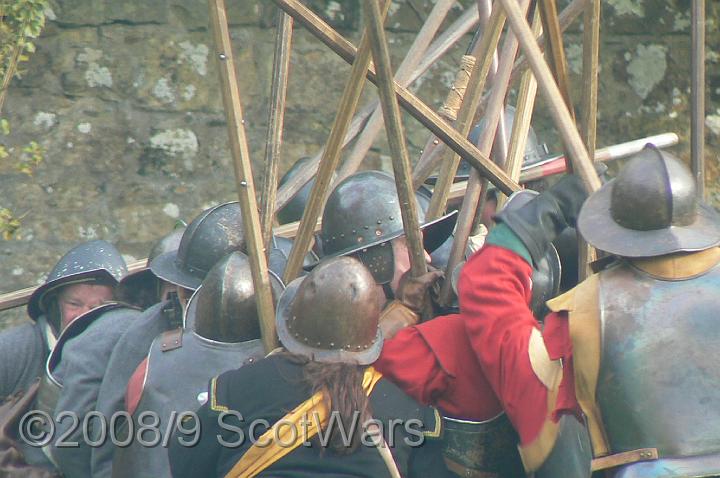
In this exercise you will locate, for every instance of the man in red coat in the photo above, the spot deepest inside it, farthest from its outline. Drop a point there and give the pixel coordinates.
(441, 362)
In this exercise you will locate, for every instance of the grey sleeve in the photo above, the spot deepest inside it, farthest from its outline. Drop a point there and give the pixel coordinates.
(129, 351)
(82, 368)
(22, 357)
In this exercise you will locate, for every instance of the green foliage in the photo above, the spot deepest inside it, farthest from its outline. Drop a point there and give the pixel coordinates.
(9, 224)
(20, 22)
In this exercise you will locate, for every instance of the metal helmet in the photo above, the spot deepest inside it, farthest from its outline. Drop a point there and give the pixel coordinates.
(362, 215)
(546, 274)
(280, 248)
(650, 209)
(92, 261)
(223, 309)
(141, 288)
(213, 234)
(293, 210)
(332, 314)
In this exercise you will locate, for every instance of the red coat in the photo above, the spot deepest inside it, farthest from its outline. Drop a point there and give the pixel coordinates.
(494, 292)
(434, 363)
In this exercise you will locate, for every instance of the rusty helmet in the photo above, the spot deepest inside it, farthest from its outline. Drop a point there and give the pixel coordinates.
(209, 237)
(650, 209)
(91, 261)
(223, 308)
(363, 214)
(332, 314)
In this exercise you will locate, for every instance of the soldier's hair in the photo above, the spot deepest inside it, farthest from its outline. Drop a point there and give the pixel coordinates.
(342, 385)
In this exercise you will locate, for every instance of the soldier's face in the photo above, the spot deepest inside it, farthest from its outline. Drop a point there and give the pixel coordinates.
(402, 260)
(76, 299)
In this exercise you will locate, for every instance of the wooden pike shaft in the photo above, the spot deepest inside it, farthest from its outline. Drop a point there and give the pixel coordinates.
(278, 94)
(523, 116)
(563, 121)
(330, 158)
(20, 297)
(424, 168)
(588, 120)
(402, 76)
(566, 18)
(486, 48)
(243, 173)
(476, 184)
(414, 106)
(459, 28)
(556, 50)
(591, 56)
(396, 136)
(697, 118)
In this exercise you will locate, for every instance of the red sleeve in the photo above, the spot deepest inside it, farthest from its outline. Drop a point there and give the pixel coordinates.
(135, 387)
(407, 361)
(435, 364)
(495, 290)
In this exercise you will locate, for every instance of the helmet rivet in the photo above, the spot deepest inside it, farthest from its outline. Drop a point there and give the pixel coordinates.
(367, 227)
(305, 339)
(392, 218)
(379, 221)
(342, 235)
(332, 344)
(358, 347)
(318, 344)
(222, 56)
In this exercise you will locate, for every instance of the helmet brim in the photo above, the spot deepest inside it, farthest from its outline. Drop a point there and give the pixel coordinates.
(165, 268)
(35, 306)
(284, 313)
(597, 227)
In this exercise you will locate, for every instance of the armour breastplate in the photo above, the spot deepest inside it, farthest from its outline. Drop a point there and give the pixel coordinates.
(176, 383)
(659, 372)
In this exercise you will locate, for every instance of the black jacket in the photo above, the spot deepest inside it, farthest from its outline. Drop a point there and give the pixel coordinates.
(268, 390)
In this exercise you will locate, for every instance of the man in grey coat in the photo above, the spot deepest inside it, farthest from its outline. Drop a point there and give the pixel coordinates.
(82, 279)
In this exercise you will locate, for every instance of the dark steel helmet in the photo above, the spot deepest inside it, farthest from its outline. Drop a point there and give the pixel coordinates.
(141, 288)
(293, 210)
(547, 273)
(92, 261)
(213, 234)
(223, 308)
(332, 314)
(280, 248)
(362, 215)
(650, 209)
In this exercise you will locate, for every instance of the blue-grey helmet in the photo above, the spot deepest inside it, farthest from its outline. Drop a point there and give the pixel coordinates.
(92, 261)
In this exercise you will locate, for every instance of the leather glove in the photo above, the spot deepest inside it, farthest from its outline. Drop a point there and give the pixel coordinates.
(541, 220)
(405, 310)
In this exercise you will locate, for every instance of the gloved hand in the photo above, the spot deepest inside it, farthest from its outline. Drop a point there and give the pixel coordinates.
(541, 220)
(405, 310)
(412, 290)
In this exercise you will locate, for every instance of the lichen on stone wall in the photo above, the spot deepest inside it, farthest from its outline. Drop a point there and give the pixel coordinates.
(45, 120)
(95, 75)
(178, 142)
(646, 68)
(628, 7)
(164, 91)
(195, 55)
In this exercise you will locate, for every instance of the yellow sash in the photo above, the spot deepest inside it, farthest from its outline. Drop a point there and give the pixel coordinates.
(286, 435)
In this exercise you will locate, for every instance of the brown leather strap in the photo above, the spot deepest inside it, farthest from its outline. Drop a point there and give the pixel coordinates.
(624, 458)
(171, 339)
(461, 470)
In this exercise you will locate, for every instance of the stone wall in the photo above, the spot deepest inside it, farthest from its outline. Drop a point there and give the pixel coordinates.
(124, 99)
